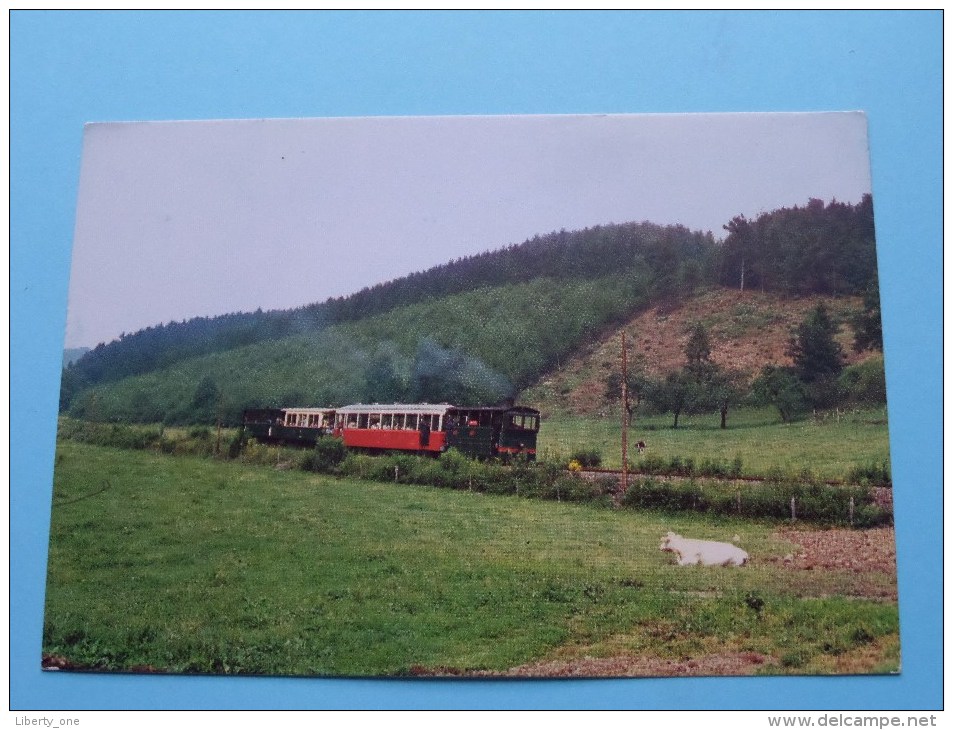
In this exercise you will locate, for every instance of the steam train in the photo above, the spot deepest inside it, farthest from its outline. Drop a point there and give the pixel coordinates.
(423, 428)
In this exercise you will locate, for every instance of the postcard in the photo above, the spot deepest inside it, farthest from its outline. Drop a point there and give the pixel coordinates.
(515, 396)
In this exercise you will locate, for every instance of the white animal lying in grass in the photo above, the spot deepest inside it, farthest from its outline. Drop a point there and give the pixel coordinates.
(703, 552)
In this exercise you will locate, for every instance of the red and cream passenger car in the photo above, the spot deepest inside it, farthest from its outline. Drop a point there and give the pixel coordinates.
(398, 426)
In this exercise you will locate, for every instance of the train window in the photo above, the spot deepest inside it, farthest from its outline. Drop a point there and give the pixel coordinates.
(398, 421)
(362, 421)
(374, 420)
(387, 421)
(412, 422)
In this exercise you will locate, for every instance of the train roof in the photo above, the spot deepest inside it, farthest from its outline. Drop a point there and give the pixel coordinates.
(429, 408)
(308, 410)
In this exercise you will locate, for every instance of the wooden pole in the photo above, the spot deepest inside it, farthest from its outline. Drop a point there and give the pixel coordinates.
(625, 424)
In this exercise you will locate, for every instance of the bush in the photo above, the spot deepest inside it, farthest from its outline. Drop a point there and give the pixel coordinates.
(202, 433)
(813, 502)
(587, 458)
(237, 443)
(871, 474)
(864, 384)
(327, 454)
(669, 496)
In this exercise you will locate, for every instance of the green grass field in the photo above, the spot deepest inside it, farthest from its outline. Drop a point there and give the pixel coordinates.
(828, 447)
(187, 564)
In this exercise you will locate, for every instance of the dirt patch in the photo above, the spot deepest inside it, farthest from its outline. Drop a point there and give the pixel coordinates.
(56, 662)
(856, 551)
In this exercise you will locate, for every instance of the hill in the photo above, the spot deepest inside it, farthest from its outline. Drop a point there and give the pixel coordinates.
(747, 330)
(482, 328)
(477, 347)
(670, 253)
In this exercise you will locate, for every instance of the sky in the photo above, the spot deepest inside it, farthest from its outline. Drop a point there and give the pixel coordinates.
(199, 218)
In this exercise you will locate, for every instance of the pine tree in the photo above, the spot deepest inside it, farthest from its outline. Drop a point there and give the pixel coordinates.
(698, 349)
(817, 355)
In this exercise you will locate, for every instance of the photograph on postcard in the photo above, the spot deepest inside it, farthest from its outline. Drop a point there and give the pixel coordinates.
(515, 396)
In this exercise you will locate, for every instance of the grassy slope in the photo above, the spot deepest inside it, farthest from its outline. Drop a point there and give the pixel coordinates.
(193, 565)
(514, 331)
(828, 447)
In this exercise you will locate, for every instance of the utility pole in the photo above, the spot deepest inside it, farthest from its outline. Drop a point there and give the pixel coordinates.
(625, 419)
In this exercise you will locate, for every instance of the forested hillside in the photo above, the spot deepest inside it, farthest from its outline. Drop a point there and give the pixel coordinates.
(472, 330)
(477, 347)
(671, 253)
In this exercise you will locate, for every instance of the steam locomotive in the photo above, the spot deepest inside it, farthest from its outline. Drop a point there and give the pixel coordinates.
(422, 428)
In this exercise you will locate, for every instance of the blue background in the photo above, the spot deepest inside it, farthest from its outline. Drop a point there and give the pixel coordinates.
(68, 68)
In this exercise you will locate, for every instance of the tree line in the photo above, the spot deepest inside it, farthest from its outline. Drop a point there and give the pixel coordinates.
(816, 249)
(816, 379)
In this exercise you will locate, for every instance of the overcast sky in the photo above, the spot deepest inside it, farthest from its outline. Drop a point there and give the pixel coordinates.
(184, 219)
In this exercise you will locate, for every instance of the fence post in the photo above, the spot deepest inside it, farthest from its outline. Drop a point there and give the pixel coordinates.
(739, 501)
(851, 511)
(396, 472)
(793, 511)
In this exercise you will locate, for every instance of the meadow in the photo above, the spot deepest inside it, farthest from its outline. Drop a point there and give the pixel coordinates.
(826, 447)
(195, 565)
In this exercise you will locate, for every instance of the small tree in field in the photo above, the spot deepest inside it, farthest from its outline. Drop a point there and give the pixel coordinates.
(781, 388)
(679, 392)
(725, 390)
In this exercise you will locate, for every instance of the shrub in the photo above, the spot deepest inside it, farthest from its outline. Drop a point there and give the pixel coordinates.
(871, 474)
(203, 433)
(814, 502)
(237, 443)
(327, 454)
(653, 465)
(864, 383)
(587, 458)
(258, 453)
(654, 494)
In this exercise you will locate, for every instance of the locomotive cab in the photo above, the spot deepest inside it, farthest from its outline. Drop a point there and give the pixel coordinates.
(487, 432)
